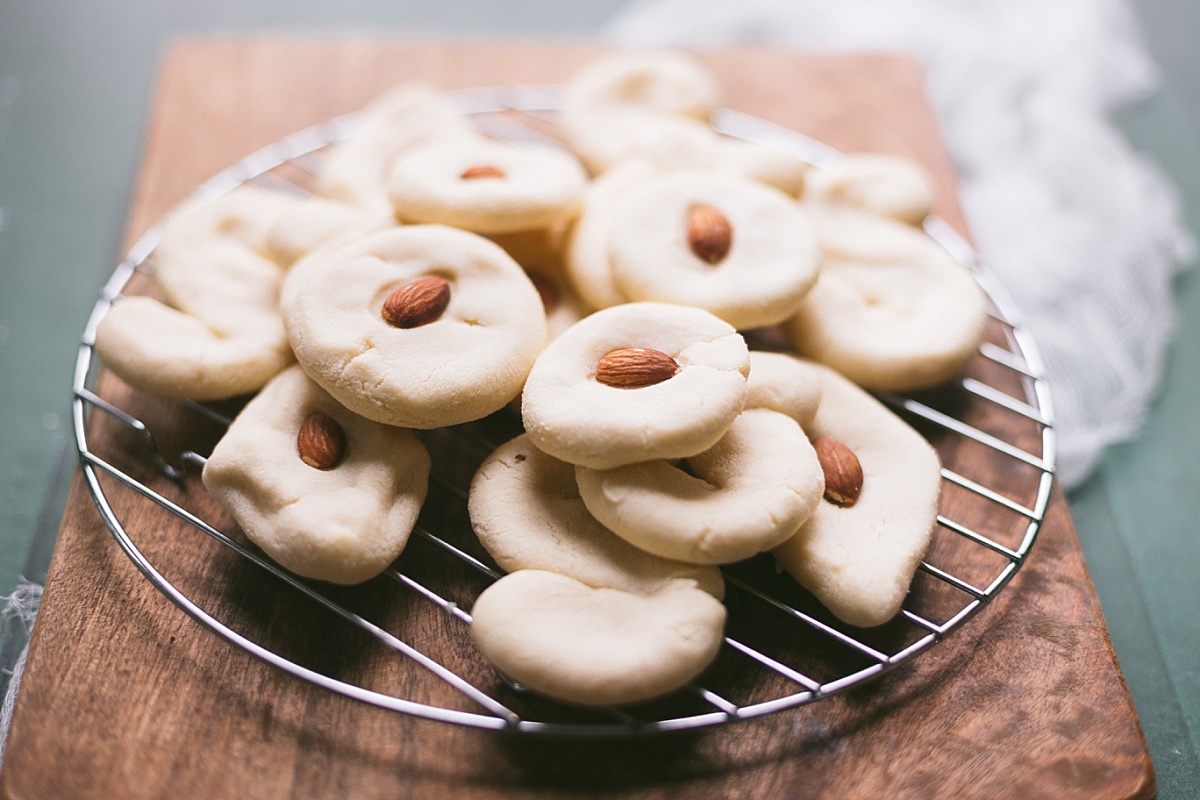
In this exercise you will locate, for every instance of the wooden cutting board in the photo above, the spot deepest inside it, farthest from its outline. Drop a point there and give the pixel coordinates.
(124, 696)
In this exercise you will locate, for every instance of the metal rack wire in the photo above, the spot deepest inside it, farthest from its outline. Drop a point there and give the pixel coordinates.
(1009, 382)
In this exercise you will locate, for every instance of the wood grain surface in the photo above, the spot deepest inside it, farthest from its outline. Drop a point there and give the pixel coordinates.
(124, 696)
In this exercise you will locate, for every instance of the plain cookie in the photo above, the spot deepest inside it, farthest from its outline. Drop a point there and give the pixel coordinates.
(583, 616)
(891, 310)
(219, 335)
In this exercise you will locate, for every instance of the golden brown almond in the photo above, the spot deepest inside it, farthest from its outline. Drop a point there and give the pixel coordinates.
(843, 472)
(709, 233)
(481, 171)
(635, 368)
(417, 302)
(321, 441)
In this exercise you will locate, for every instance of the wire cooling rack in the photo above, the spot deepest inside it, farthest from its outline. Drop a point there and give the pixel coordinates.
(782, 650)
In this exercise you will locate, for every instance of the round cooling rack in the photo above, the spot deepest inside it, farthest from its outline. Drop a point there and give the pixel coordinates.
(401, 641)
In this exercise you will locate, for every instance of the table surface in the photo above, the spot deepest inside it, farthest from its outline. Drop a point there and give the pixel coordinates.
(74, 95)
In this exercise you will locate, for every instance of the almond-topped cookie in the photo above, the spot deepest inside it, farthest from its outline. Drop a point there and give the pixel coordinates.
(420, 326)
(740, 250)
(322, 491)
(636, 382)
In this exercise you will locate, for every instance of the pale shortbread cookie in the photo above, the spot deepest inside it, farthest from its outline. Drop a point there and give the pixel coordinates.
(607, 139)
(487, 186)
(587, 261)
(652, 104)
(574, 417)
(526, 509)
(745, 494)
(466, 363)
(316, 222)
(596, 646)
(859, 560)
(345, 524)
(891, 186)
(658, 106)
(770, 265)
(219, 335)
(775, 383)
(891, 309)
(664, 81)
(356, 169)
(582, 616)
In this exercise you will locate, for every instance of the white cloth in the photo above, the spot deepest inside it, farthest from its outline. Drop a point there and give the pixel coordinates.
(22, 605)
(1084, 233)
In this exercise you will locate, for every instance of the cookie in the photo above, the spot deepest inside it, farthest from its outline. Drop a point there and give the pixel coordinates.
(891, 309)
(419, 326)
(316, 222)
(636, 382)
(745, 494)
(219, 333)
(740, 250)
(487, 186)
(324, 492)
(355, 170)
(582, 616)
(858, 559)
(586, 260)
(662, 81)
(658, 107)
(890, 186)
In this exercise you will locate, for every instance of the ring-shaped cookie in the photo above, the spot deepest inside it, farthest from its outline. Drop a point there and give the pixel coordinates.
(219, 334)
(587, 262)
(571, 415)
(356, 169)
(487, 186)
(859, 560)
(745, 494)
(549, 623)
(596, 646)
(768, 261)
(887, 185)
(466, 363)
(526, 510)
(891, 309)
(343, 524)
(663, 81)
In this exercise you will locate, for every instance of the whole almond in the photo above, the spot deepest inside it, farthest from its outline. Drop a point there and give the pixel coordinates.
(417, 302)
(843, 472)
(709, 233)
(635, 368)
(321, 441)
(481, 171)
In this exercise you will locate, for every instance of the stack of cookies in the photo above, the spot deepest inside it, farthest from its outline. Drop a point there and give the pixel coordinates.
(438, 275)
